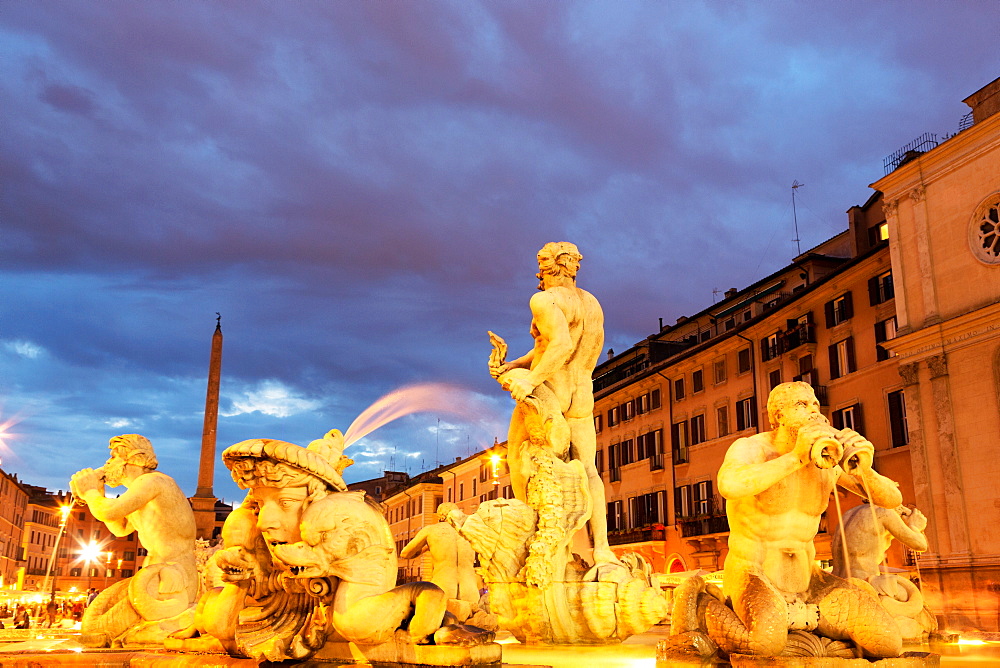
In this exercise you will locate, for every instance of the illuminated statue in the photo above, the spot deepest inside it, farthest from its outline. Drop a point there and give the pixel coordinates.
(869, 531)
(777, 485)
(541, 590)
(307, 564)
(159, 599)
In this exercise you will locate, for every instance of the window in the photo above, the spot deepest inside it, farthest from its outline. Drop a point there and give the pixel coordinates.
(847, 418)
(682, 502)
(679, 441)
(880, 288)
(626, 453)
(884, 331)
(75, 572)
(654, 399)
(597, 424)
(627, 411)
(878, 233)
(679, 389)
(613, 416)
(842, 358)
(698, 430)
(899, 432)
(141, 552)
(461, 491)
(729, 324)
(650, 446)
(616, 516)
(722, 419)
(770, 347)
(743, 361)
(720, 370)
(449, 494)
(599, 461)
(746, 414)
(614, 469)
(703, 498)
(473, 487)
(127, 573)
(646, 509)
(774, 378)
(839, 310)
(697, 381)
(128, 556)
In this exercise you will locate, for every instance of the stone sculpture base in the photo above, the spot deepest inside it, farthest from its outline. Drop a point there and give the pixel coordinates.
(907, 660)
(399, 652)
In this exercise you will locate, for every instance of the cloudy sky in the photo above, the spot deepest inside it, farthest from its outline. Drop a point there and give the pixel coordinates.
(359, 188)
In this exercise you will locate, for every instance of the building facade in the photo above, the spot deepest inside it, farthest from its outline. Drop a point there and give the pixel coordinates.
(943, 215)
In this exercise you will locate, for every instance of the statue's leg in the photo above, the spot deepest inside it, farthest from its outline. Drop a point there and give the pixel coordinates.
(583, 447)
(516, 435)
(849, 612)
(374, 619)
(758, 624)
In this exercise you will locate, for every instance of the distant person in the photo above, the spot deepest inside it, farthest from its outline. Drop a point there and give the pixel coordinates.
(91, 595)
(22, 620)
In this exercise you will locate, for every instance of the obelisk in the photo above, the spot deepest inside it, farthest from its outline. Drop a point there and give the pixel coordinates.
(203, 501)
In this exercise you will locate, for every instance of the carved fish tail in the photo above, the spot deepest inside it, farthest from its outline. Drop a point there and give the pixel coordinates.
(765, 630)
(849, 612)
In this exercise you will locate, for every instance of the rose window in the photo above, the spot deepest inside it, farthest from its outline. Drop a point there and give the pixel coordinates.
(984, 231)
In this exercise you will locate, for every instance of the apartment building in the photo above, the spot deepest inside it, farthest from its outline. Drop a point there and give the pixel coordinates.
(13, 505)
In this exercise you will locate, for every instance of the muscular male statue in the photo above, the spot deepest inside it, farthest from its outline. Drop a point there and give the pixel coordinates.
(777, 485)
(139, 609)
(567, 324)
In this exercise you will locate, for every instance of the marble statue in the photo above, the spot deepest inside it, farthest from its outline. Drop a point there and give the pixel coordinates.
(777, 484)
(160, 598)
(541, 590)
(309, 567)
(452, 565)
(567, 325)
(869, 531)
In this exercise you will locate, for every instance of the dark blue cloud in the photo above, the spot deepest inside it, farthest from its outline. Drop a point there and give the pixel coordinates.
(360, 188)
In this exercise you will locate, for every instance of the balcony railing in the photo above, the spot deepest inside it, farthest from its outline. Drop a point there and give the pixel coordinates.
(656, 462)
(921, 144)
(704, 526)
(681, 455)
(615, 474)
(636, 535)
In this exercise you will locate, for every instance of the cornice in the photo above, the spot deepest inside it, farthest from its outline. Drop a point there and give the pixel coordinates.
(952, 334)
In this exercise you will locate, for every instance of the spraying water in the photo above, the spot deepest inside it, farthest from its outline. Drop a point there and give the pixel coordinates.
(419, 398)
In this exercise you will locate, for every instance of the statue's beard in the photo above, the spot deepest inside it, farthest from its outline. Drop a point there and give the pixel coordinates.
(114, 472)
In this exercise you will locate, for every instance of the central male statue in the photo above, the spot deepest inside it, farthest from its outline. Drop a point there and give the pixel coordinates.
(777, 485)
(567, 324)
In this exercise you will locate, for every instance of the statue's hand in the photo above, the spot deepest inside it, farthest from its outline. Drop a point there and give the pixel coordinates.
(807, 438)
(497, 369)
(520, 388)
(859, 453)
(916, 520)
(85, 480)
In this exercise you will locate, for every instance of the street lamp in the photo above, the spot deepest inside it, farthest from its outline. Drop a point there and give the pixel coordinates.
(64, 512)
(90, 554)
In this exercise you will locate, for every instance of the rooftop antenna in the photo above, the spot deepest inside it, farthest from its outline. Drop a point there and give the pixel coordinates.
(715, 294)
(795, 186)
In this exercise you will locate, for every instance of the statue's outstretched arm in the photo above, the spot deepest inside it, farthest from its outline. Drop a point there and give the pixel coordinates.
(415, 546)
(744, 473)
(113, 512)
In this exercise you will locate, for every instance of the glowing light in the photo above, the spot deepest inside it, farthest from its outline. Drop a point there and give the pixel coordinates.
(970, 641)
(90, 552)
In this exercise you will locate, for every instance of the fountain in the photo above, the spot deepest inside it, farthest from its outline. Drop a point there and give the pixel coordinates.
(775, 600)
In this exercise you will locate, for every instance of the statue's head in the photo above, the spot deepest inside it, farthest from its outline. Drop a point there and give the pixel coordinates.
(284, 478)
(128, 450)
(444, 509)
(793, 405)
(558, 258)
